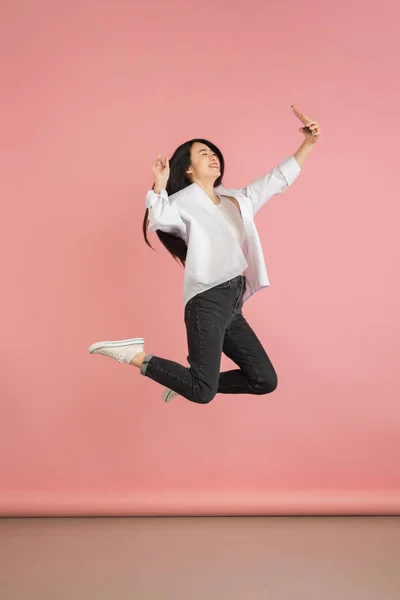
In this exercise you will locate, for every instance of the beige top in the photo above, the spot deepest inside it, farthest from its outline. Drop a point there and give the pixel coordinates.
(233, 218)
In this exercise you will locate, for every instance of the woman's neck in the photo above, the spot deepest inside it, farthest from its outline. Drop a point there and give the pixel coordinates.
(209, 189)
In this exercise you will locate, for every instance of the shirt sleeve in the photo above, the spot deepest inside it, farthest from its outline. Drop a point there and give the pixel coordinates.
(274, 182)
(164, 215)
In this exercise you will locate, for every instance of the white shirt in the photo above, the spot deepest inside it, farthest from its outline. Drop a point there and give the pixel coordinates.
(214, 254)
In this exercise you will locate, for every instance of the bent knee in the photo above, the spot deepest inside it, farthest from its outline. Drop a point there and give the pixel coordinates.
(266, 385)
(205, 398)
(204, 395)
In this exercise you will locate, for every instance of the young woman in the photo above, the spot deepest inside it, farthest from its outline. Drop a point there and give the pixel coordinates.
(210, 229)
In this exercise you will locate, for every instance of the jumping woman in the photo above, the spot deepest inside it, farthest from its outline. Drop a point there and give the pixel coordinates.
(210, 229)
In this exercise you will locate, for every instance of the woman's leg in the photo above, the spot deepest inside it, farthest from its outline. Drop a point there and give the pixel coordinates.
(256, 374)
(207, 316)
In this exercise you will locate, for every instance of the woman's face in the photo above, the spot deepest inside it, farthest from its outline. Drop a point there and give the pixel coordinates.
(205, 165)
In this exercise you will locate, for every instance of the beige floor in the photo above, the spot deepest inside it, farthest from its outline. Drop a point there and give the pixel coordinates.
(287, 558)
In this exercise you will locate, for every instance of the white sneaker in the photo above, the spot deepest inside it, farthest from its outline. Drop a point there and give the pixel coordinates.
(122, 351)
(168, 395)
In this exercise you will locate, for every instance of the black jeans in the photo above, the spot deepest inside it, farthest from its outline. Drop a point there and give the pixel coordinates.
(215, 324)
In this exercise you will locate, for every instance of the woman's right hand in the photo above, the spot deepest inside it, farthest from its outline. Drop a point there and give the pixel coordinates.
(160, 171)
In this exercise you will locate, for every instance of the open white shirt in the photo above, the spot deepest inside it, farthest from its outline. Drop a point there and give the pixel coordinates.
(214, 253)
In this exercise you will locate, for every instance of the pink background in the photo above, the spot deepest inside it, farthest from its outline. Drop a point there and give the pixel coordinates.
(90, 92)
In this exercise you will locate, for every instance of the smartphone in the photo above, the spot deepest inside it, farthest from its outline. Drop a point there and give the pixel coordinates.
(300, 116)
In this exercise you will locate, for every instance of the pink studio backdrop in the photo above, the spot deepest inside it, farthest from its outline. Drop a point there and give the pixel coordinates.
(90, 93)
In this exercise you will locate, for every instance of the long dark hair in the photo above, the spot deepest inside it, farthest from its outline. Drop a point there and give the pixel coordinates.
(178, 180)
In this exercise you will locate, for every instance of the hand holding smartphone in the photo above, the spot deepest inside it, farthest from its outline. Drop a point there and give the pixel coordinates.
(302, 118)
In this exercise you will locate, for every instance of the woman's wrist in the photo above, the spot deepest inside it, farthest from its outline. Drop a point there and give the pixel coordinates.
(159, 186)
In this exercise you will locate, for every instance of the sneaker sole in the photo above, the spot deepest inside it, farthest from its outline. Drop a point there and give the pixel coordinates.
(169, 395)
(98, 345)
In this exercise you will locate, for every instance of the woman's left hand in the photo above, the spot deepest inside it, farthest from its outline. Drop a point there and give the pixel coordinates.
(311, 130)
